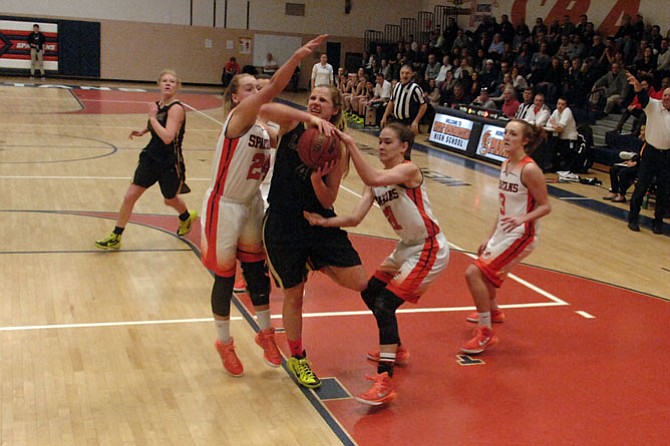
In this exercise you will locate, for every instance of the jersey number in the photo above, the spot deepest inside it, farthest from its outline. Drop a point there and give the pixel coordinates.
(502, 204)
(260, 164)
(388, 212)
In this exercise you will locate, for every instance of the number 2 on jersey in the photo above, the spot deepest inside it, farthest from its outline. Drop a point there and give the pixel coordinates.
(260, 164)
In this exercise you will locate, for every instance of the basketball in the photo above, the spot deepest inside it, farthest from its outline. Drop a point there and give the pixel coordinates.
(316, 149)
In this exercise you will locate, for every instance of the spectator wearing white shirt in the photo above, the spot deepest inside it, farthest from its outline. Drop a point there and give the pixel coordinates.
(538, 114)
(563, 123)
(322, 73)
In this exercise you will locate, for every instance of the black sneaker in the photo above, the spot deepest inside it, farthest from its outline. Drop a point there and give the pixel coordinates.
(634, 226)
(657, 227)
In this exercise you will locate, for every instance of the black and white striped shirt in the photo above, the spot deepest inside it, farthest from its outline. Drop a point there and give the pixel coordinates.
(406, 100)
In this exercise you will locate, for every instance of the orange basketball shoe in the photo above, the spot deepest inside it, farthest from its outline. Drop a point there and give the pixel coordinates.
(231, 363)
(266, 340)
(401, 356)
(483, 338)
(497, 317)
(381, 392)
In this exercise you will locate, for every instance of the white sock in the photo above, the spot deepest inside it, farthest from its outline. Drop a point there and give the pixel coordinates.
(484, 319)
(223, 330)
(390, 357)
(263, 318)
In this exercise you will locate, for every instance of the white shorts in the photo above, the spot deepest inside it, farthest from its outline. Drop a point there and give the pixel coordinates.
(502, 253)
(411, 268)
(231, 231)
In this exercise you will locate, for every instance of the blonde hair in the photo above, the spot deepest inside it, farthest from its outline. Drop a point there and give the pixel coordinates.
(171, 73)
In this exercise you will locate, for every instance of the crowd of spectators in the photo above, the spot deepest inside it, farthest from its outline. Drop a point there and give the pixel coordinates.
(557, 59)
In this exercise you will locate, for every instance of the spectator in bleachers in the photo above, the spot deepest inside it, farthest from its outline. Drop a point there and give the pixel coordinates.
(432, 68)
(581, 26)
(539, 113)
(461, 40)
(522, 28)
(655, 38)
(506, 28)
(623, 174)
(510, 105)
(523, 57)
(444, 68)
(564, 49)
(563, 122)
(567, 27)
(596, 49)
(474, 86)
(552, 80)
(607, 57)
(484, 100)
(518, 81)
(526, 105)
(489, 75)
(614, 86)
(577, 47)
(662, 62)
(497, 46)
(646, 66)
(634, 109)
(458, 96)
(539, 63)
(539, 27)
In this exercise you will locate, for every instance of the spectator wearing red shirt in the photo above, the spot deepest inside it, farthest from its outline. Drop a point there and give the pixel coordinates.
(229, 70)
(510, 104)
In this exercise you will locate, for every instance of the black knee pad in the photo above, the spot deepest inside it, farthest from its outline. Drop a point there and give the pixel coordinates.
(375, 286)
(385, 307)
(258, 282)
(222, 292)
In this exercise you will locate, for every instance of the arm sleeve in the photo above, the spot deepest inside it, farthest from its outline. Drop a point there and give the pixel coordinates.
(643, 97)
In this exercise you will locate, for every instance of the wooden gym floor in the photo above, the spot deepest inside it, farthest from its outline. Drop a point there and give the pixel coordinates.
(117, 348)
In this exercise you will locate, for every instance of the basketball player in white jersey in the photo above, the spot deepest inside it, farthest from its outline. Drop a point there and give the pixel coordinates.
(419, 256)
(523, 200)
(233, 208)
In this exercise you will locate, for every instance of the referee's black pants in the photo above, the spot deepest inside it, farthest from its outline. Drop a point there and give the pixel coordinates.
(653, 164)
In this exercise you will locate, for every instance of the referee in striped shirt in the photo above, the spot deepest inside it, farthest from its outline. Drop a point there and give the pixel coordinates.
(407, 104)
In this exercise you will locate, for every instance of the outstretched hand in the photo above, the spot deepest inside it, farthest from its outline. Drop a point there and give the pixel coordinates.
(310, 46)
(632, 80)
(344, 137)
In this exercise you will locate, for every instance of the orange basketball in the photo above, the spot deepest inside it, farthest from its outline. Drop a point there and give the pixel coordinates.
(316, 149)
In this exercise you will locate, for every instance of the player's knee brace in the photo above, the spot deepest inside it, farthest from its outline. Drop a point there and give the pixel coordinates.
(369, 294)
(258, 282)
(222, 292)
(385, 307)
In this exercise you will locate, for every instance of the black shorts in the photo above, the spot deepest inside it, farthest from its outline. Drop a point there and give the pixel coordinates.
(294, 247)
(149, 172)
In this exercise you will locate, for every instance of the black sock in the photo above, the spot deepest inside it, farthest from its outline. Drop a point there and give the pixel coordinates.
(118, 230)
(385, 366)
(184, 216)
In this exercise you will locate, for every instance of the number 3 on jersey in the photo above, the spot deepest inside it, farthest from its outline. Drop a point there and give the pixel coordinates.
(260, 165)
